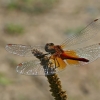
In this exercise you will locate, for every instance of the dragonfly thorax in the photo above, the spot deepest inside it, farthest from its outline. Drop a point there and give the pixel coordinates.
(49, 47)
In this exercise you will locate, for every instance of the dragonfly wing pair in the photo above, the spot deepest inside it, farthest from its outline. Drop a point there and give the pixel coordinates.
(91, 53)
(33, 67)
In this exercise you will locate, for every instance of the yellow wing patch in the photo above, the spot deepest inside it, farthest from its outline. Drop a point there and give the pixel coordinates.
(59, 63)
(72, 54)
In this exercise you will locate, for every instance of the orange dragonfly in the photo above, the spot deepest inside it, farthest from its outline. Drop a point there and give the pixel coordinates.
(59, 55)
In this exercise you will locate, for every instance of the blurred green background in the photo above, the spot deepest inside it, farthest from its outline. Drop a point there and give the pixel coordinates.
(35, 22)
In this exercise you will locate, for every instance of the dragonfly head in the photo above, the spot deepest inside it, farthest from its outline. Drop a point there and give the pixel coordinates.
(49, 47)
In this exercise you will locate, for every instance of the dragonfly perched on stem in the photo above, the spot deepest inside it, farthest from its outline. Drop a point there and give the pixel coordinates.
(57, 57)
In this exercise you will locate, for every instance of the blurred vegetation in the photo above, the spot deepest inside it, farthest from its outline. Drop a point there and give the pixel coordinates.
(22, 97)
(14, 29)
(73, 31)
(32, 6)
(12, 62)
(4, 80)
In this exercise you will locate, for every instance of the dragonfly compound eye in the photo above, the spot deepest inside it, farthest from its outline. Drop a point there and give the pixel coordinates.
(49, 47)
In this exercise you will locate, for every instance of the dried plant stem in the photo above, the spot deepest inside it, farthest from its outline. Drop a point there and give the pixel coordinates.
(54, 81)
(56, 88)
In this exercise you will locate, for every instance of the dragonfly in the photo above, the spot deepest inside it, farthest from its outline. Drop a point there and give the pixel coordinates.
(59, 56)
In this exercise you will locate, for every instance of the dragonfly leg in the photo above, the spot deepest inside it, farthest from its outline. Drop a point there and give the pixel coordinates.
(54, 59)
(57, 63)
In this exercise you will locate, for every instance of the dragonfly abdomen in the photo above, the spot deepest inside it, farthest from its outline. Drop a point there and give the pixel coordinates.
(65, 57)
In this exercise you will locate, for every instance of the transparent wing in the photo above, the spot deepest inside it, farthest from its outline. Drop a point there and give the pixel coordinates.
(23, 50)
(89, 31)
(91, 53)
(34, 68)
